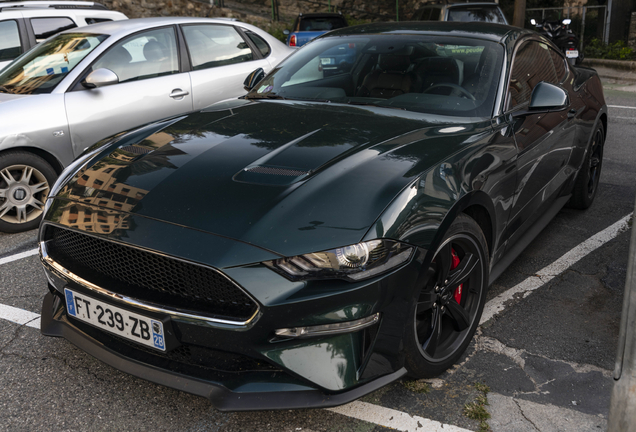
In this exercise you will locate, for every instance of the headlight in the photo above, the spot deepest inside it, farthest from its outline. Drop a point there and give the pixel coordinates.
(354, 262)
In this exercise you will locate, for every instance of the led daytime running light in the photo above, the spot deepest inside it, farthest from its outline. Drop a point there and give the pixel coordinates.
(327, 329)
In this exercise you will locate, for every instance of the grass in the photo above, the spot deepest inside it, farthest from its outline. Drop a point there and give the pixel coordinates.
(476, 410)
(417, 386)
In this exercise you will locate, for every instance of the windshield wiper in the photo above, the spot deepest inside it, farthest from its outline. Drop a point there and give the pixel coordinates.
(264, 96)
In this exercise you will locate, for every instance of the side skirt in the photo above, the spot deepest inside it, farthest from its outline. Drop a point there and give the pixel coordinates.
(527, 238)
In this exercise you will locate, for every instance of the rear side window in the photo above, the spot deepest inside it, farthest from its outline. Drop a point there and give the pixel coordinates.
(532, 64)
(10, 46)
(215, 45)
(259, 42)
(90, 21)
(46, 27)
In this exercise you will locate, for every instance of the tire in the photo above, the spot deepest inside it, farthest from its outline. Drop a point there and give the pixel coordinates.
(25, 182)
(587, 179)
(440, 327)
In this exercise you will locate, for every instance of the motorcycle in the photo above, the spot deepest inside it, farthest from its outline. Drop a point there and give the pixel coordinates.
(563, 38)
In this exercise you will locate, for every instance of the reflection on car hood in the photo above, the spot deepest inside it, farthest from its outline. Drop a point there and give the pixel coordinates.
(290, 177)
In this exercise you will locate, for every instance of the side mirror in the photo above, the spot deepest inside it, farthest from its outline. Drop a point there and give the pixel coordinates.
(100, 78)
(567, 21)
(546, 96)
(286, 32)
(253, 79)
(533, 22)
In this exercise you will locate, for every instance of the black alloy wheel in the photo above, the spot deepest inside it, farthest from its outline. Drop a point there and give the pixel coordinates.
(447, 308)
(589, 174)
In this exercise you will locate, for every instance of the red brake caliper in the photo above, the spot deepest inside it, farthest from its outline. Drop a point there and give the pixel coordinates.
(454, 264)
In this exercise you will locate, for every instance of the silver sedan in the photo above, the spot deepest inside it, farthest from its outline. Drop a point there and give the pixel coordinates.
(86, 84)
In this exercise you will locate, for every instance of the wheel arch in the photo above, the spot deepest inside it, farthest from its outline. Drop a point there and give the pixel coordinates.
(48, 157)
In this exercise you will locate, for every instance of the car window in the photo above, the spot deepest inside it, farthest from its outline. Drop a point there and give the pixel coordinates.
(260, 43)
(10, 46)
(47, 27)
(476, 13)
(96, 20)
(215, 45)
(145, 55)
(321, 23)
(440, 75)
(435, 13)
(559, 65)
(43, 67)
(531, 65)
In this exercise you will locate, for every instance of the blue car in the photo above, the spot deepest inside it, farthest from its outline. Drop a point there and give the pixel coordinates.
(309, 26)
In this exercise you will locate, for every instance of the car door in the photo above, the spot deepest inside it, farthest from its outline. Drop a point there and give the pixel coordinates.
(151, 87)
(544, 140)
(221, 58)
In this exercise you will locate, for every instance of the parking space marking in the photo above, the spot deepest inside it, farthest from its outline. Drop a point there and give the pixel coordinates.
(546, 274)
(391, 418)
(620, 106)
(19, 316)
(18, 256)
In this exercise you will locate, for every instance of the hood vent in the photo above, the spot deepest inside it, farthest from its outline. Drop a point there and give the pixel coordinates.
(277, 171)
(138, 150)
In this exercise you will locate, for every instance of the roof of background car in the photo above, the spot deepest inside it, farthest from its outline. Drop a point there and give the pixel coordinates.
(124, 27)
(32, 12)
(478, 30)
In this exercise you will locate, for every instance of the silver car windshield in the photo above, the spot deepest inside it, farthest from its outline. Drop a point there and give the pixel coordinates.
(438, 75)
(43, 67)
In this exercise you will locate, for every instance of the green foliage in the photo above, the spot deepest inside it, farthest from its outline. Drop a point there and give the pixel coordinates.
(355, 21)
(476, 410)
(616, 51)
(417, 386)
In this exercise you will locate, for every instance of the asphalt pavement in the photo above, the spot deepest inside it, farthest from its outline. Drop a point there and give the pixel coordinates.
(546, 357)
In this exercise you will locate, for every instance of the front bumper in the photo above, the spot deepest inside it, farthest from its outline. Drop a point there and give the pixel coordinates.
(287, 394)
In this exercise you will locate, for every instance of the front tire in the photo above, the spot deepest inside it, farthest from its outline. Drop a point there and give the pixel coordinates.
(446, 310)
(25, 182)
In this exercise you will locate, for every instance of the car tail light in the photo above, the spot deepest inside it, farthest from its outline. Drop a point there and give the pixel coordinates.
(292, 40)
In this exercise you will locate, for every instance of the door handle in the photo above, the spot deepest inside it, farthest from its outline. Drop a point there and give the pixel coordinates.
(178, 94)
(571, 113)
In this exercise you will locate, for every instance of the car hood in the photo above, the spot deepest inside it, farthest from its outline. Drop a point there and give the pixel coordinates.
(289, 177)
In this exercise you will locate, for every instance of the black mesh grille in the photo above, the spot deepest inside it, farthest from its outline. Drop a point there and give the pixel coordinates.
(147, 276)
(277, 171)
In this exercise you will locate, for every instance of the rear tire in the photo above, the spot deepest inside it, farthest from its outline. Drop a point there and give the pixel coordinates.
(445, 311)
(25, 182)
(587, 179)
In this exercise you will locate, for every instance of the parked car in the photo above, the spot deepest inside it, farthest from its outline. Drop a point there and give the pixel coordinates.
(25, 24)
(328, 233)
(309, 26)
(85, 84)
(457, 10)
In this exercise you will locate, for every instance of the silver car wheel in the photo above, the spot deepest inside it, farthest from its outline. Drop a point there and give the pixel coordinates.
(23, 191)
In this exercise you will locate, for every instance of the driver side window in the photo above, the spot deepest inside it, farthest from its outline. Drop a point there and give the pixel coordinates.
(144, 55)
(532, 64)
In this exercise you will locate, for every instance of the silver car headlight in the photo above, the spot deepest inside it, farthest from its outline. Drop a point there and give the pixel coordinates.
(355, 262)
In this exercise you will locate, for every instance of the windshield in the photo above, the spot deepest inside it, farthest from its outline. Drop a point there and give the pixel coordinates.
(447, 76)
(43, 67)
(476, 13)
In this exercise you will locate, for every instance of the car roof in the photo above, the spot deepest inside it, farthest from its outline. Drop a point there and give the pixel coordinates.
(472, 29)
(52, 5)
(124, 27)
(30, 12)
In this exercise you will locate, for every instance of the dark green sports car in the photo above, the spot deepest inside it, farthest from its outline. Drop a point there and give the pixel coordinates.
(333, 230)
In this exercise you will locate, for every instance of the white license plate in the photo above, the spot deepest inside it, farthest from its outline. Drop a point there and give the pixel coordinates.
(572, 53)
(129, 325)
(326, 60)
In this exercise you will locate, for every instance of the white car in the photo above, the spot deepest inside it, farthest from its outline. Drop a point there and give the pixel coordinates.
(86, 84)
(25, 24)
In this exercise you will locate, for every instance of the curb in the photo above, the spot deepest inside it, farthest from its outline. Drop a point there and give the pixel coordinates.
(617, 70)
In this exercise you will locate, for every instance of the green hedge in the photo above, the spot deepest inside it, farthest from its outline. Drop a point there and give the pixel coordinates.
(616, 51)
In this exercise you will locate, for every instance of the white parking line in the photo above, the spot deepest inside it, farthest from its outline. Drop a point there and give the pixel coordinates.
(19, 316)
(546, 274)
(619, 106)
(18, 256)
(391, 418)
